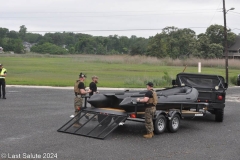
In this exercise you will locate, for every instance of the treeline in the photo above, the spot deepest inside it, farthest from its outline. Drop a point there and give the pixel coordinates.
(171, 42)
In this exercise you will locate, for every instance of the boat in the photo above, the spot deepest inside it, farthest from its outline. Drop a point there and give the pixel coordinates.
(168, 98)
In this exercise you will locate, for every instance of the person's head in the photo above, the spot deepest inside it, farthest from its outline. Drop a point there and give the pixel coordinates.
(95, 79)
(82, 76)
(149, 85)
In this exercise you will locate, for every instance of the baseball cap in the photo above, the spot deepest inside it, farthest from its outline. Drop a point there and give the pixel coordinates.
(150, 84)
(0, 64)
(81, 75)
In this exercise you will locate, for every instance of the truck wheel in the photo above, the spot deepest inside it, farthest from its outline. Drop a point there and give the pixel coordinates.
(219, 115)
(106, 122)
(160, 124)
(174, 123)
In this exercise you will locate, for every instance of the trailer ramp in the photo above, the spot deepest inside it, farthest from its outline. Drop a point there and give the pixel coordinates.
(99, 124)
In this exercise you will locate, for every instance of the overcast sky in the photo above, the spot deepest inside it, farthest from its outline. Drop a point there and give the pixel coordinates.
(142, 18)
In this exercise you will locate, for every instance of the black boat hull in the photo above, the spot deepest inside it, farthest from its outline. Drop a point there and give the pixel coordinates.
(167, 99)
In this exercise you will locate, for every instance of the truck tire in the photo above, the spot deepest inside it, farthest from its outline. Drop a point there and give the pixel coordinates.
(160, 124)
(106, 122)
(174, 124)
(219, 113)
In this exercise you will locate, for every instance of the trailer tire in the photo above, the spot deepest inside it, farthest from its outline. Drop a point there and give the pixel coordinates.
(160, 124)
(219, 113)
(106, 122)
(174, 123)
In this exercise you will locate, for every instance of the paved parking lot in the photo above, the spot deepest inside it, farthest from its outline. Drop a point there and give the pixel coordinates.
(30, 117)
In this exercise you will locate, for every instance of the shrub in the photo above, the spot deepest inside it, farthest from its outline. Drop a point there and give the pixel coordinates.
(48, 48)
(233, 80)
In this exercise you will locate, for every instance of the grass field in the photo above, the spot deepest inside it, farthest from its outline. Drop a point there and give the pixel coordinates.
(113, 71)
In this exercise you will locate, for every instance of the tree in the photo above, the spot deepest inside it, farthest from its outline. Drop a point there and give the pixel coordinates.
(215, 51)
(22, 32)
(17, 46)
(215, 34)
(202, 46)
(157, 46)
(172, 42)
(10, 44)
(33, 37)
(3, 32)
(12, 34)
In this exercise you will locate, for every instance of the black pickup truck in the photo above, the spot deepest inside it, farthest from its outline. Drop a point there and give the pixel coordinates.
(211, 88)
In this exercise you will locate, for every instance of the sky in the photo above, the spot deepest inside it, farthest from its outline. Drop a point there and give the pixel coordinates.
(142, 18)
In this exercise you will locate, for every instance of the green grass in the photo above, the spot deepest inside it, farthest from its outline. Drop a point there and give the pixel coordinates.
(64, 70)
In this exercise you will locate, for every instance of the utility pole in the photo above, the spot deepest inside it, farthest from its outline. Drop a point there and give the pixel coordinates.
(225, 40)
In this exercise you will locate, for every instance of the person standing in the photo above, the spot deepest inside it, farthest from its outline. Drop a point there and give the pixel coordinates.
(93, 85)
(3, 74)
(150, 100)
(93, 88)
(79, 90)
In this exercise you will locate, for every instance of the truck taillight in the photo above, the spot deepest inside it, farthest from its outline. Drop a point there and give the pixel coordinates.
(220, 97)
(133, 115)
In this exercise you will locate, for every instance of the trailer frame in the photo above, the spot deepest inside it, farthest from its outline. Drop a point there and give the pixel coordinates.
(110, 118)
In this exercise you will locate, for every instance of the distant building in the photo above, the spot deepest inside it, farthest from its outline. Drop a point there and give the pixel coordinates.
(27, 46)
(234, 50)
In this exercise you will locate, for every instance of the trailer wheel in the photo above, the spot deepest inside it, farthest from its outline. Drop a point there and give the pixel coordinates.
(174, 123)
(106, 122)
(160, 124)
(219, 113)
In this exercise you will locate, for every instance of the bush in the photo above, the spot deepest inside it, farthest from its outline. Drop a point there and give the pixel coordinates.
(233, 80)
(48, 48)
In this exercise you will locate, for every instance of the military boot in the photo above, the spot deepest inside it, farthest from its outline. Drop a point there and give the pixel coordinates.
(77, 125)
(149, 135)
(152, 133)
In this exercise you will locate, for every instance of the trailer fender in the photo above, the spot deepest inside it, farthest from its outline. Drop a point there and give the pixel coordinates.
(159, 112)
(171, 114)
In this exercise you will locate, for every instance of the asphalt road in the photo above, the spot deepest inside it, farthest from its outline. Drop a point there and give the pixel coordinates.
(30, 117)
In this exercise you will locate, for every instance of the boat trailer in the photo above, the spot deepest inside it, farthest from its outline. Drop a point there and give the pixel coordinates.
(100, 122)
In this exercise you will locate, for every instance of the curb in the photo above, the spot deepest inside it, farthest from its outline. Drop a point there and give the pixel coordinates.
(71, 88)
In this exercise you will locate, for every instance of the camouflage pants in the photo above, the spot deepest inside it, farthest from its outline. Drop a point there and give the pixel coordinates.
(149, 115)
(78, 103)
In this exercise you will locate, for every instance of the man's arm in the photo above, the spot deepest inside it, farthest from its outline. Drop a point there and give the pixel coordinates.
(144, 100)
(4, 75)
(82, 89)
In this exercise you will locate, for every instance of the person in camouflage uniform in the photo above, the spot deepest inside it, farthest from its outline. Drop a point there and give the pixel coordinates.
(78, 100)
(150, 100)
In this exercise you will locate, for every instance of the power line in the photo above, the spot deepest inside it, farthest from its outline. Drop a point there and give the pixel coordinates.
(111, 15)
(113, 11)
(235, 12)
(110, 30)
(215, 12)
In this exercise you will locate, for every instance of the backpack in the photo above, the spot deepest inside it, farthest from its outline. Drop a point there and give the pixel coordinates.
(76, 89)
(155, 98)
